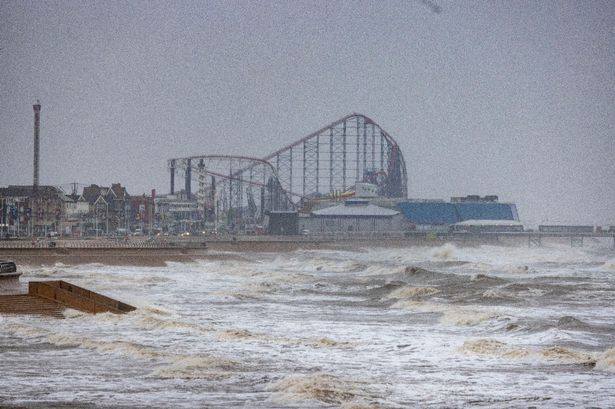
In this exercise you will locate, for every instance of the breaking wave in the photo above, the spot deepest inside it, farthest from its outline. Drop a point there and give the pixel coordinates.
(406, 292)
(320, 387)
(122, 347)
(450, 314)
(606, 361)
(571, 323)
(155, 323)
(10, 285)
(200, 366)
(416, 275)
(246, 335)
(465, 317)
(444, 253)
(236, 334)
(25, 331)
(555, 354)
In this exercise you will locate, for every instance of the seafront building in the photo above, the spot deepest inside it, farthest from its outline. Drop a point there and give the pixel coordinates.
(97, 211)
(28, 211)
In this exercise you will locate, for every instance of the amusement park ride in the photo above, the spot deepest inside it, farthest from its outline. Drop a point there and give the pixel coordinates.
(325, 164)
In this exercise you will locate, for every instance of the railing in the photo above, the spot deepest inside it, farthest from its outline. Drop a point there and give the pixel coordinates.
(87, 244)
(200, 242)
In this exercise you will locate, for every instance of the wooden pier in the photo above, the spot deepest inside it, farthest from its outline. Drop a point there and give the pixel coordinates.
(51, 298)
(29, 305)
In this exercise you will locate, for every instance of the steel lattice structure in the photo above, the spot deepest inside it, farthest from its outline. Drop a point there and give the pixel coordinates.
(327, 162)
(334, 158)
(237, 190)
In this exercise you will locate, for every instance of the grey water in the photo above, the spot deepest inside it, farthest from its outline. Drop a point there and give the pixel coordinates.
(373, 328)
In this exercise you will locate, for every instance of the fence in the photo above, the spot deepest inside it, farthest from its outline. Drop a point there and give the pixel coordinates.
(86, 244)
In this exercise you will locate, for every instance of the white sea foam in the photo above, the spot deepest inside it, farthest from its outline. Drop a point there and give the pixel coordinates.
(377, 269)
(23, 330)
(251, 336)
(450, 314)
(322, 387)
(406, 292)
(320, 325)
(117, 347)
(445, 252)
(201, 366)
(553, 354)
(156, 323)
(465, 317)
(606, 360)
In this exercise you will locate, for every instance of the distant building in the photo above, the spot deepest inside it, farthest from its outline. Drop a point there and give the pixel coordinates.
(143, 214)
(282, 222)
(109, 208)
(25, 211)
(487, 226)
(352, 216)
(363, 189)
(439, 215)
(176, 212)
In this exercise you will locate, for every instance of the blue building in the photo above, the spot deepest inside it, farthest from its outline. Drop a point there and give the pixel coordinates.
(440, 215)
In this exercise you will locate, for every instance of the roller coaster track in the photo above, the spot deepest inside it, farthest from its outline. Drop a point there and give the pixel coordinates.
(331, 160)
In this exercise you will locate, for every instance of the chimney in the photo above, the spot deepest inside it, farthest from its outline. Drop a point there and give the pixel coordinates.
(37, 125)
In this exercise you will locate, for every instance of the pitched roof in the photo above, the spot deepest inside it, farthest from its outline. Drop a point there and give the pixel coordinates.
(27, 191)
(355, 210)
(91, 193)
(119, 191)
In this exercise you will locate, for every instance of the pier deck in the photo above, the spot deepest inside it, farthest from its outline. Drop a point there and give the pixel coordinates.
(29, 305)
(51, 298)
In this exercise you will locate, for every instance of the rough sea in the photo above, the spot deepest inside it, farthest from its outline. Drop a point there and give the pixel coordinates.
(486, 327)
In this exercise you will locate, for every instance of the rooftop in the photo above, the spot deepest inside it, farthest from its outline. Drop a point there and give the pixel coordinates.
(355, 209)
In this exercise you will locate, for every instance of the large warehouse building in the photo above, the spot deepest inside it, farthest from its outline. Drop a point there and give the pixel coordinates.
(430, 215)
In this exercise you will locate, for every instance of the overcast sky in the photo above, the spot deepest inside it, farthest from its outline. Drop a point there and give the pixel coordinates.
(510, 98)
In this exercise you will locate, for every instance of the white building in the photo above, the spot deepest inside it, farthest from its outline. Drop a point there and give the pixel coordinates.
(353, 216)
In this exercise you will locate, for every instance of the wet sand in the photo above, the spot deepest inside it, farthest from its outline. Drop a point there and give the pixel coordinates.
(213, 250)
(129, 256)
(151, 256)
(191, 251)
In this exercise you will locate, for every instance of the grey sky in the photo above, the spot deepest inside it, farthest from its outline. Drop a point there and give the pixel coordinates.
(510, 98)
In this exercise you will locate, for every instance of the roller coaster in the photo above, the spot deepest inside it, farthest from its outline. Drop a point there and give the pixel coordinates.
(323, 164)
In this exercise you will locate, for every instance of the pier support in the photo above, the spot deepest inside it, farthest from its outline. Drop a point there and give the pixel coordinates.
(188, 179)
(576, 241)
(534, 241)
(172, 169)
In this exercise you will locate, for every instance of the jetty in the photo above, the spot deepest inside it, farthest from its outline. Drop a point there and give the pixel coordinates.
(51, 298)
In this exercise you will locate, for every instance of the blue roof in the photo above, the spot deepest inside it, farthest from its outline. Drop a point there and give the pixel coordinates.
(429, 212)
(437, 213)
(484, 211)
